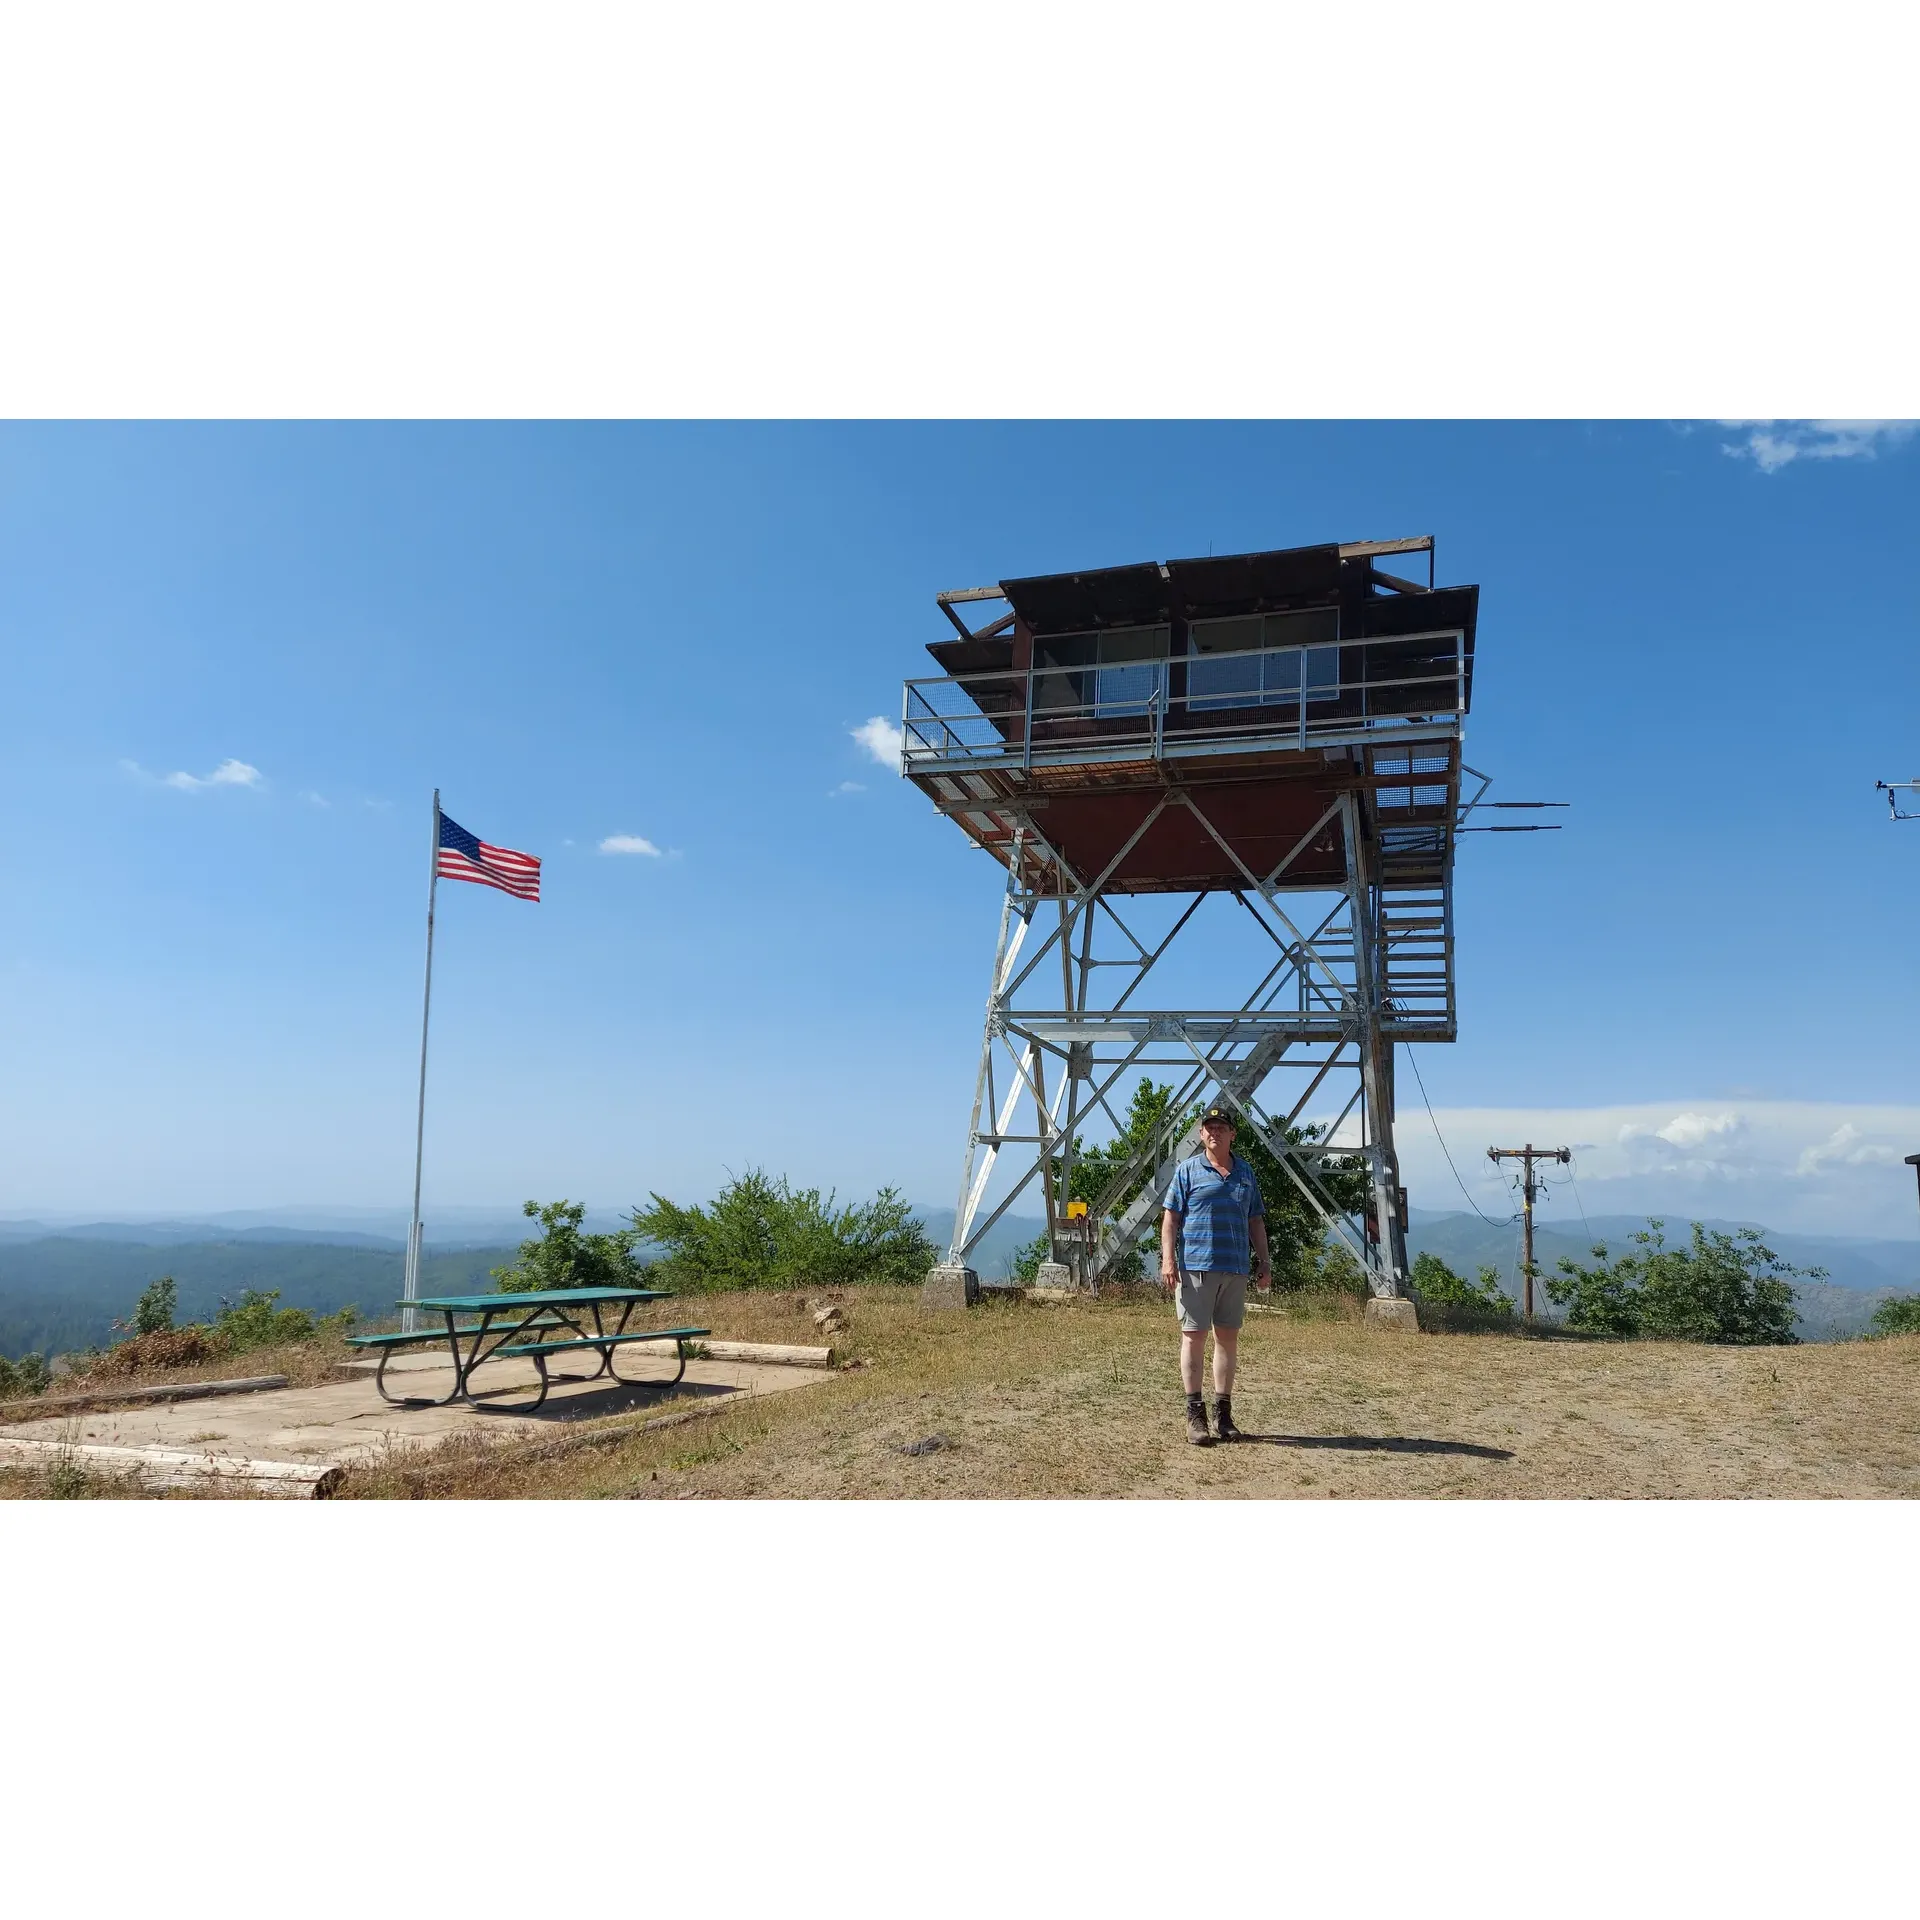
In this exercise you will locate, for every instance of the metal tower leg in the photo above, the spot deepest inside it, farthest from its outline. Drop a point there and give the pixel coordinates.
(952, 1282)
(1386, 1251)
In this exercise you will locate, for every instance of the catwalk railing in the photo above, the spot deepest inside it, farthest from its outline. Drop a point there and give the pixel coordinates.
(1410, 686)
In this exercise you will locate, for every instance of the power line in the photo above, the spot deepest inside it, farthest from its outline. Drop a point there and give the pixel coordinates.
(1570, 1182)
(1438, 1135)
(1581, 1204)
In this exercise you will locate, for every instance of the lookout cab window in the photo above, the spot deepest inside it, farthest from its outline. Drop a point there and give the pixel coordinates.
(1063, 665)
(1225, 667)
(1132, 670)
(1264, 660)
(1107, 674)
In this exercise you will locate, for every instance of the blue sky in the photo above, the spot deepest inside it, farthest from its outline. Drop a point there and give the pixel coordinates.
(1702, 637)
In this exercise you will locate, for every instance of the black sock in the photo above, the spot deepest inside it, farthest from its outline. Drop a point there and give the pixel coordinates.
(1196, 1403)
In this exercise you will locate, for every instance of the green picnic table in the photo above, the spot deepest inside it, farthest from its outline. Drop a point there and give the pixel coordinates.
(522, 1326)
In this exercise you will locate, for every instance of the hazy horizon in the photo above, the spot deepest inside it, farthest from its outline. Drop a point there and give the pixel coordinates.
(319, 1216)
(1814, 1167)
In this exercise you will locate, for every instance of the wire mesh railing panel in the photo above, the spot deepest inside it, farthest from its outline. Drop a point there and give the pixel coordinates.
(1104, 708)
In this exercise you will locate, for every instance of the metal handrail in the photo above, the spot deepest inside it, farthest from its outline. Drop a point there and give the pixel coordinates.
(930, 734)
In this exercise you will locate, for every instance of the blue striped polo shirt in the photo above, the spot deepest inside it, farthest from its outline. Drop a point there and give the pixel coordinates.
(1214, 1209)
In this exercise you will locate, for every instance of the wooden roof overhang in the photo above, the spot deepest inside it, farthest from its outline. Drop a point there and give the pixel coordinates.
(1260, 804)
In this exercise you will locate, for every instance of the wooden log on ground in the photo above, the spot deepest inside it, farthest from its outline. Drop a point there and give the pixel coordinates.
(767, 1354)
(169, 1467)
(135, 1396)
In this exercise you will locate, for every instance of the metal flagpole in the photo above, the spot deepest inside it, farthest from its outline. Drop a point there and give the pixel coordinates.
(411, 1289)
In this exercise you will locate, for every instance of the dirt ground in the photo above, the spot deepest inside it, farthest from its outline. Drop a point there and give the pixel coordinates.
(1081, 1400)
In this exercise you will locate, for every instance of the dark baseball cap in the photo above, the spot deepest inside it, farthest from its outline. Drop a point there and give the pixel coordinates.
(1221, 1112)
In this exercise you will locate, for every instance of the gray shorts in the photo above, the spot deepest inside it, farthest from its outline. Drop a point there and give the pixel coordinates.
(1211, 1300)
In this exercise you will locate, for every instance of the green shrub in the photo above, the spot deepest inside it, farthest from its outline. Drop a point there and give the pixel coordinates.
(1727, 1288)
(1896, 1316)
(1026, 1263)
(255, 1321)
(153, 1312)
(565, 1257)
(22, 1379)
(761, 1232)
(1327, 1267)
(1433, 1280)
(1603, 1298)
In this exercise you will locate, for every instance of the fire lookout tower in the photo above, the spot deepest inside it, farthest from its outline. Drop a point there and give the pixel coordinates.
(1278, 733)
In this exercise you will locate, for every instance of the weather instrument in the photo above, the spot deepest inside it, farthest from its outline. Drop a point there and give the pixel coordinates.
(1893, 789)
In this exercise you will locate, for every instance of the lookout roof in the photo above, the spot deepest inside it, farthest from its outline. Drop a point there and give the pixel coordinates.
(1151, 592)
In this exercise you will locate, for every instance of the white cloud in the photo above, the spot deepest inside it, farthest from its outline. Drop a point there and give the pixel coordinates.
(229, 773)
(845, 786)
(629, 843)
(316, 799)
(1773, 444)
(1845, 1146)
(1809, 1166)
(1686, 1130)
(882, 739)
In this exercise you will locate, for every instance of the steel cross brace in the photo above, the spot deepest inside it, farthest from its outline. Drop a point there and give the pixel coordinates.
(1339, 1008)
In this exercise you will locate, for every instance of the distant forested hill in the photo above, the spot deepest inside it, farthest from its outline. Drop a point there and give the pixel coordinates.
(59, 1295)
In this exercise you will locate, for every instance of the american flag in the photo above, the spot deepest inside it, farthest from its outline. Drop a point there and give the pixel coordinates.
(463, 857)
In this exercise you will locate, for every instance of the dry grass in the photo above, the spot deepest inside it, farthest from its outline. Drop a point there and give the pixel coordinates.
(1081, 1400)
(305, 1363)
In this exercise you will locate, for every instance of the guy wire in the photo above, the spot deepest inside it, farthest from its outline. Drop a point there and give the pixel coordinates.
(1578, 1202)
(1438, 1135)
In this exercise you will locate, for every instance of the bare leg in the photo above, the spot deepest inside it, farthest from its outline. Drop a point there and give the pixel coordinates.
(1193, 1349)
(1226, 1356)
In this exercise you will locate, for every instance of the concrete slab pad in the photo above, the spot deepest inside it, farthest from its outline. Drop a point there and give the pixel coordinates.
(346, 1420)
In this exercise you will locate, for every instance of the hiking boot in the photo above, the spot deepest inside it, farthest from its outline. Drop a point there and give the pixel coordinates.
(1197, 1433)
(1223, 1417)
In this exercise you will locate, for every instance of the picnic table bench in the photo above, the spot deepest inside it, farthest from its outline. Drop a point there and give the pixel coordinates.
(524, 1326)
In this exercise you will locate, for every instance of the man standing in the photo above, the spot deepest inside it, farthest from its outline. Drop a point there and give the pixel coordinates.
(1213, 1233)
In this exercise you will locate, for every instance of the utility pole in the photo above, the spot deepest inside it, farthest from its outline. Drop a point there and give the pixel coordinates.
(1527, 1155)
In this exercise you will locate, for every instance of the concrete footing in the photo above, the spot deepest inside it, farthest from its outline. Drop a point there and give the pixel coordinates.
(950, 1289)
(1396, 1315)
(1053, 1275)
